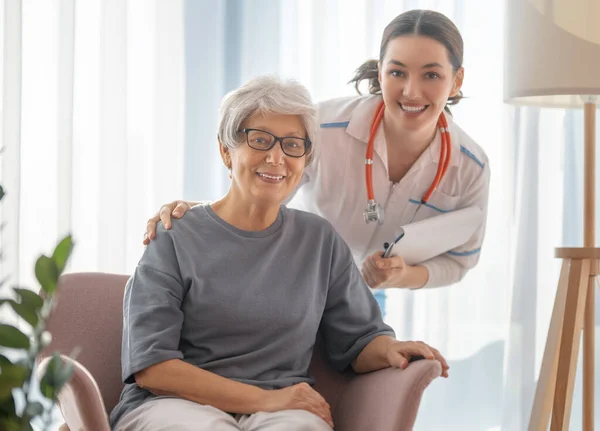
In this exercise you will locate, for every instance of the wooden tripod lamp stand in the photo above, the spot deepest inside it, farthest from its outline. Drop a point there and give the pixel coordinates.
(552, 59)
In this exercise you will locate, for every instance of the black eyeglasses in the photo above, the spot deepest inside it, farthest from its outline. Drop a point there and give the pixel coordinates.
(264, 141)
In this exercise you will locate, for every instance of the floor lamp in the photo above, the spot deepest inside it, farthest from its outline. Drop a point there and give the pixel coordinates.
(552, 59)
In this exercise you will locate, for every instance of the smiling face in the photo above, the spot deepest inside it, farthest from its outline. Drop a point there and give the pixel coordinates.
(265, 177)
(416, 79)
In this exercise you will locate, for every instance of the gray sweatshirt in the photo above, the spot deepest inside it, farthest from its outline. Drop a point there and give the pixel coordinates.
(244, 305)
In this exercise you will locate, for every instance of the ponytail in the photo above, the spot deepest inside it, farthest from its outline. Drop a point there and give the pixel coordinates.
(370, 71)
(453, 101)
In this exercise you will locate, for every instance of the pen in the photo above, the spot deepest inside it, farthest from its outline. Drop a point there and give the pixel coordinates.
(387, 247)
(386, 250)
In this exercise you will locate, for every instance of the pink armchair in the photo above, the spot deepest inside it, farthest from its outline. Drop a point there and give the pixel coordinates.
(89, 315)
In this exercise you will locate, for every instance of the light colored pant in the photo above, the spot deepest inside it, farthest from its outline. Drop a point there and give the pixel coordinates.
(176, 414)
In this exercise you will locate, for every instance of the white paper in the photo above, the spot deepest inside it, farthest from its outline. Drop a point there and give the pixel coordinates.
(434, 236)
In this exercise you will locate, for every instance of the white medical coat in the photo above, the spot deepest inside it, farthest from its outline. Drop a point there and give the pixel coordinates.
(333, 186)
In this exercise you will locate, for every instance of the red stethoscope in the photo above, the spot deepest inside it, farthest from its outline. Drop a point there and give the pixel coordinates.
(374, 211)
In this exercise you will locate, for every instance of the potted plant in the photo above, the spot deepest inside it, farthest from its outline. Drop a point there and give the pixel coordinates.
(17, 377)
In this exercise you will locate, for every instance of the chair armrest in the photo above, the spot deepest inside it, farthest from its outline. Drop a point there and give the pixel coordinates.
(79, 401)
(384, 400)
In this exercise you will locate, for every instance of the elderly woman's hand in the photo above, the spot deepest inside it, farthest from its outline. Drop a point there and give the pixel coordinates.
(298, 397)
(176, 209)
(400, 353)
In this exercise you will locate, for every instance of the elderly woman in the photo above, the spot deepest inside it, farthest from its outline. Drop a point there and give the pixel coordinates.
(223, 309)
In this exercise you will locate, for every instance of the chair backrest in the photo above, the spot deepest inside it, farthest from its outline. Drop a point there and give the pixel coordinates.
(89, 316)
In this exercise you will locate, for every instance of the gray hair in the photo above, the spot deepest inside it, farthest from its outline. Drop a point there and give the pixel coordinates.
(267, 94)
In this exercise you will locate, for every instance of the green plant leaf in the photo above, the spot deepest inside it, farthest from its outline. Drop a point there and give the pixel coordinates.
(4, 361)
(1, 192)
(46, 273)
(48, 382)
(12, 337)
(62, 252)
(5, 389)
(25, 424)
(9, 420)
(13, 376)
(64, 375)
(29, 315)
(10, 423)
(57, 374)
(7, 407)
(29, 298)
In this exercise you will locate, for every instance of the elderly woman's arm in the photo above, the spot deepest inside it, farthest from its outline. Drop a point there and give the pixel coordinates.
(352, 327)
(153, 320)
(178, 378)
(384, 352)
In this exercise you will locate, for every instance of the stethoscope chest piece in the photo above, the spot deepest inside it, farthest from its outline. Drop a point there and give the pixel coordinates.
(374, 212)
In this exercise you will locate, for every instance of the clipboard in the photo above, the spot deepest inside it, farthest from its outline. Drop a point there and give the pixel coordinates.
(425, 239)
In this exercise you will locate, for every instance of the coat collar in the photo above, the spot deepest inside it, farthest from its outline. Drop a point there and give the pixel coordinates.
(360, 124)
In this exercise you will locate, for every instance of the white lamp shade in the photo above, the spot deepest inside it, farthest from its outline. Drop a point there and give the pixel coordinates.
(552, 52)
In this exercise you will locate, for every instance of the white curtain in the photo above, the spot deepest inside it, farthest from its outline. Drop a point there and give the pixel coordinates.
(93, 127)
(109, 108)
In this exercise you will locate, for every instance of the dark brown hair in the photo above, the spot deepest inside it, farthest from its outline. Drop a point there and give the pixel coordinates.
(426, 23)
